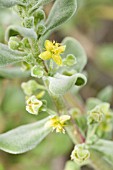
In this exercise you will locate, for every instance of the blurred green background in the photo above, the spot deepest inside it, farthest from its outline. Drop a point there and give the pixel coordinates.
(92, 25)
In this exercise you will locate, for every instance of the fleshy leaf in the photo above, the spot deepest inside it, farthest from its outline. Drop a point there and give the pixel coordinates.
(24, 138)
(10, 3)
(74, 47)
(13, 72)
(99, 160)
(61, 11)
(8, 56)
(60, 84)
(106, 148)
(14, 30)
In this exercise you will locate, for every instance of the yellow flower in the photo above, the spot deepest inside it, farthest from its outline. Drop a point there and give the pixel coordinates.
(58, 123)
(53, 51)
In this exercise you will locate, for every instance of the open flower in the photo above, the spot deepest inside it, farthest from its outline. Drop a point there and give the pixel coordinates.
(53, 51)
(33, 105)
(58, 123)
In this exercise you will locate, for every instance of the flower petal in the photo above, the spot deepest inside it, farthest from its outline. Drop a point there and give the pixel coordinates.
(45, 55)
(57, 59)
(48, 45)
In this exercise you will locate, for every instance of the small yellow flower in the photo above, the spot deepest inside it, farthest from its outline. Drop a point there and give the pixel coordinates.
(58, 123)
(33, 105)
(53, 51)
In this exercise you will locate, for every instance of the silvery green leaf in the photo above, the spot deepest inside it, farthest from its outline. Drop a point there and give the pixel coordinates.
(60, 84)
(10, 3)
(106, 148)
(71, 165)
(74, 47)
(98, 161)
(61, 11)
(13, 72)
(24, 138)
(105, 94)
(8, 56)
(43, 2)
(14, 30)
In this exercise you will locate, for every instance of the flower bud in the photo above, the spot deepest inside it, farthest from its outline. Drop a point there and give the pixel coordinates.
(70, 60)
(13, 43)
(30, 59)
(29, 22)
(58, 123)
(80, 154)
(41, 29)
(39, 15)
(29, 87)
(25, 43)
(33, 105)
(97, 114)
(37, 71)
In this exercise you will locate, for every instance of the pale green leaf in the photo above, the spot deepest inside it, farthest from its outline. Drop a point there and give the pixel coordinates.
(13, 72)
(8, 56)
(10, 3)
(24, 138)
(74, 47)
(98, 161)
(106, 148)
(71, 165)
(60, 84)
(61, 11)
(14, 30)
(106, 94)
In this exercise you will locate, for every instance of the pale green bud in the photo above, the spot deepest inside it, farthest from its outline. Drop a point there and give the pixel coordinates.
(70, 60)
(75, 112)
(39, 15)
(29, 87)
(41, 29)
(37, 71)
(30, 59)
(25, 43)
(29, 22)
(80, 154)
(97, 115)
(33, 105)
(13, 43)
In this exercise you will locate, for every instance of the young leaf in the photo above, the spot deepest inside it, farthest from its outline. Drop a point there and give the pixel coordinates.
(10, 3)
(14, 72)
(74, 47)
(98, 161)
(8, 56)
(106, 148)
(24, 138)
(60, 84)
(14, 30)
(106, 94)
(61, 11)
